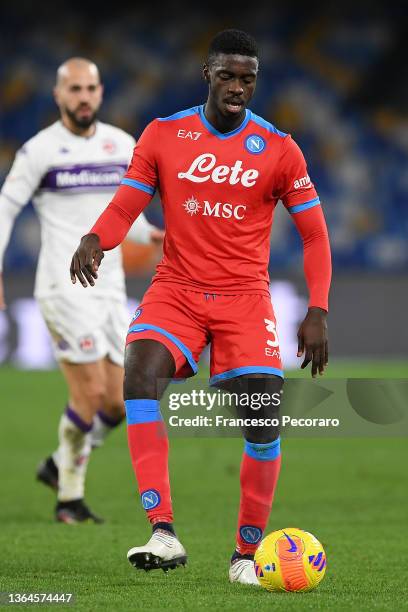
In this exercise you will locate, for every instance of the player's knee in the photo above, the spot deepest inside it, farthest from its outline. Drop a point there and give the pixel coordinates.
(139, 382)
(88, 399)
(95, 395)
(262, 409)
(148, 368)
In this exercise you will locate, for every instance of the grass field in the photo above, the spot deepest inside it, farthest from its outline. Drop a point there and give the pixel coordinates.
(351, 493)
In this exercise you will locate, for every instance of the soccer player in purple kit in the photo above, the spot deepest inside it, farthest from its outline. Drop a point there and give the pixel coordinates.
(69, 169)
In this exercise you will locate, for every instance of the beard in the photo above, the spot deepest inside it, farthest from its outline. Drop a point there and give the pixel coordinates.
(81, 122)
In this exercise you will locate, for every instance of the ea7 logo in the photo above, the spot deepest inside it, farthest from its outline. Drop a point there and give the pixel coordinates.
(188, 134)
(224, 210)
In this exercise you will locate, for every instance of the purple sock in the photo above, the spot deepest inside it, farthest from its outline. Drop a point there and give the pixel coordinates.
(76, 419)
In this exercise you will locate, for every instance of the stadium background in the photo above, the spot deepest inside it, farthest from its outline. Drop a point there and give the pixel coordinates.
(335, 77)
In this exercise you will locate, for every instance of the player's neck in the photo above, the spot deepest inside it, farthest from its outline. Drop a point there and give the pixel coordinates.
(219, 122)
(78, 130)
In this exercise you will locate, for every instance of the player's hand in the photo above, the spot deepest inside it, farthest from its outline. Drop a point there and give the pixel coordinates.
(2, 301)
(312, 340)
(86, 260)
(157, 236)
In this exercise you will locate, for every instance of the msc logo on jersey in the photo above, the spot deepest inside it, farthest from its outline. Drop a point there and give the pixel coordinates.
(192, 206)
(219, 209)
(255, 144)
(150, 499)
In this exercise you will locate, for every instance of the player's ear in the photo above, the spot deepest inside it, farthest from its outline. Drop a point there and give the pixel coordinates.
(206, 73)
(55, 94)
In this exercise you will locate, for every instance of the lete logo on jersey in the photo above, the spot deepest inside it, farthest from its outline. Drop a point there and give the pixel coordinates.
(204, 168)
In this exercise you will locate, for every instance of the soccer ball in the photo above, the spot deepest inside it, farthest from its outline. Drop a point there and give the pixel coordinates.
(290, 560)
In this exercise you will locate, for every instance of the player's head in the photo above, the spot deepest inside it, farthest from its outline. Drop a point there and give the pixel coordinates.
(78, 92)
(231, 70)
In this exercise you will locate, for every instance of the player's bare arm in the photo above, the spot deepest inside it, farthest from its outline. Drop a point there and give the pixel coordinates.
(313, 341)
(86, 260)
(2, 300)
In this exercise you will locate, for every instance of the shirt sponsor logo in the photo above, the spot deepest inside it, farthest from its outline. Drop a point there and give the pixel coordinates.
(86, 177)
(255, 144)
(192, 206)
(225, 210)
(302, 182)
(188, 135)
(204, 168)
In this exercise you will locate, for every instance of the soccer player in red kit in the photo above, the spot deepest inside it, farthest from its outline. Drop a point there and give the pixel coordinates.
(220, 170)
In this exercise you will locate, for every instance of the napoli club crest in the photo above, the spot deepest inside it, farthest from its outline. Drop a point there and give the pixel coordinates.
(137, 314)
(254, 143)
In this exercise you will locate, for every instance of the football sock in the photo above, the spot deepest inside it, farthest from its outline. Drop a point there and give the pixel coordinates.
(259, 474)
(103, 424)
(149, 450)
(236, 555)
(73, 455)
(164, 526)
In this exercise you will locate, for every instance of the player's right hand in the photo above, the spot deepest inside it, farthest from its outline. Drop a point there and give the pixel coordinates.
(86, 260)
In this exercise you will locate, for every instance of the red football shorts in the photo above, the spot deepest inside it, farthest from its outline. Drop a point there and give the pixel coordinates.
(240, 328)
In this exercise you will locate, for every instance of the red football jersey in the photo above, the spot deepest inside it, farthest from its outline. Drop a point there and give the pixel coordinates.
(219, 192)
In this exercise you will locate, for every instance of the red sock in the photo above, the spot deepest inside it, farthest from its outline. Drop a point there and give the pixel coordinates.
(149, 450)
(259, 474)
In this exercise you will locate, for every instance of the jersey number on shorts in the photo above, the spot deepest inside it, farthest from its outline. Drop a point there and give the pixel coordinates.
(271, 328)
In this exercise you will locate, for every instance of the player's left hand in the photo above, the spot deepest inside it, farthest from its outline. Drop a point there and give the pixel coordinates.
(157, 236)
(312, 340)
(86, 260)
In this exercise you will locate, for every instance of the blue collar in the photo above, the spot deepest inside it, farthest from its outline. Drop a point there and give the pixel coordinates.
(221, 135)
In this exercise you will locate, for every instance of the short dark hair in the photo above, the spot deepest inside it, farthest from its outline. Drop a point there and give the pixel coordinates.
(233, 42)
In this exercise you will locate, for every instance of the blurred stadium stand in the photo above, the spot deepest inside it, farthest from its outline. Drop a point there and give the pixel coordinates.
(334, 78)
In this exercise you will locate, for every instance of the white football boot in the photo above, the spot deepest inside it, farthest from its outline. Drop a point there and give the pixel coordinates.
(162, 551)
(243, 571)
